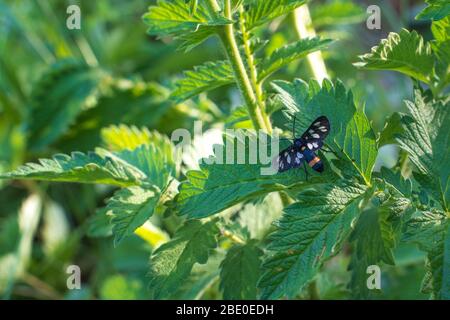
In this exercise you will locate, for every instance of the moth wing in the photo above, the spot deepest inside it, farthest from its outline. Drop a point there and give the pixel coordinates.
(289, 158)
(318, 130)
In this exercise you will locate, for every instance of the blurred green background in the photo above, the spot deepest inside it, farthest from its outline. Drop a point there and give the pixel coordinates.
(60, 87)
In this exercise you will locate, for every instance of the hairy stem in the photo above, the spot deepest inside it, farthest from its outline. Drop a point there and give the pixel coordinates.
(257, 86)
(304, 28)
(243, 82)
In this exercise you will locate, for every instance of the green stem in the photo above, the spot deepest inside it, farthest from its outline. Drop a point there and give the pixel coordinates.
(304, 28)
(257, 86)
(232, 237)
(243, 82)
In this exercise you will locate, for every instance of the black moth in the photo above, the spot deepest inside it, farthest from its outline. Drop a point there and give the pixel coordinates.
(302, 150)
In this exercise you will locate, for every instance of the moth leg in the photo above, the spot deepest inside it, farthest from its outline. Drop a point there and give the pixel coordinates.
(329, 151)
(306, 171)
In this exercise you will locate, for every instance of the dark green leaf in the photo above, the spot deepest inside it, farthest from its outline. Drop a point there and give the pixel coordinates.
(240, 272)
(310, 231)
(172, 262)
(436, 10)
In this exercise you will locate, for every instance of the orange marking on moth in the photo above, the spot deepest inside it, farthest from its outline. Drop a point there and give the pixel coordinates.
(313, 161)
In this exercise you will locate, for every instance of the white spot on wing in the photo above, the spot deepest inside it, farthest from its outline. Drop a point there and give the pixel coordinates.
(315, 144)
(315, 135)
(299, 155)
(289, 159)
(309, 146)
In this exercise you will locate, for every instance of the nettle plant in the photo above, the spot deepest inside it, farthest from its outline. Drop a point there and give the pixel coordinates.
(268, 236)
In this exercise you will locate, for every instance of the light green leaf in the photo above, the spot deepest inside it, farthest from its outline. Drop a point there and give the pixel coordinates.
(220, 185)
(441, 48)
(194, 6)
(310, 231)
(262, 11)
(430, 230)
(118, 138)
(240, 271)
(80, 167)
(441, 29)
(405, 52)
(426, 138)
(294, 51)
(172, 262)
(58, 98)
(351, 135)
(239, 118)
(175, 16)
(258, 218)
(129, 208)
(337, 12)
(208, 76)
(119, 287)
(436, 10)
(156, 162)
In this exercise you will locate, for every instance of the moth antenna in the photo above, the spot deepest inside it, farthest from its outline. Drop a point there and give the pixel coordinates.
(293, 126)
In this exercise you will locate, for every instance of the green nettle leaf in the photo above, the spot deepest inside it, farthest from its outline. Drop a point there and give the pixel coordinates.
(441, 29)
(156, 162)
(391, 130)
(194, 5)
(223, 181)
(239, 118)
(172, 262)
(436, 10)
(59, 97)
(441, 48)
(310, 231)
(285, 55)
(202, 277)
(240, 271)
(145, 165)
(80, 167)
(129, 209)
(175, 16)
(127, 102)
(99, 224)
(258, 218)
(405, 52)
(262, 11)
(431, 231)
(426, 138)
(208, 76)
(118, 138)
(351, 135)
(394, 179)
(337, 12)
(192, 39)
(374, 238)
